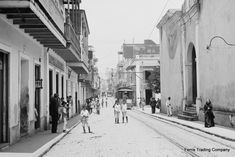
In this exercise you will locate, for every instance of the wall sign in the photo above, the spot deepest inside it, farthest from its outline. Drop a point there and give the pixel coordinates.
(38, 83)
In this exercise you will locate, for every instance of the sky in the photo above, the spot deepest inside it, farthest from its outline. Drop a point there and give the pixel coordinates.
(113, 22)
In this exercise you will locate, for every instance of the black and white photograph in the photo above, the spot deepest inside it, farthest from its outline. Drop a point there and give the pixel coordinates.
(117, 78)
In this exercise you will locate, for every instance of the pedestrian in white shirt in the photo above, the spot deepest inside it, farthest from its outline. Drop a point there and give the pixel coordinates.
(117, 109)
(124, 110)
(85, 117)
(64, 115)
(168, 106)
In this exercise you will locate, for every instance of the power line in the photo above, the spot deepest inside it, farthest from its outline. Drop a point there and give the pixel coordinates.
(158, 19)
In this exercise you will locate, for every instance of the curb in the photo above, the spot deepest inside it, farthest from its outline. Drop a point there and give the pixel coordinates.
(191, 127)
(45, 148)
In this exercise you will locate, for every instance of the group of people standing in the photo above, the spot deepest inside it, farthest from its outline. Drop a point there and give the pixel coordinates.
(93, 105)
(104, 101)
(120, 106)
(154, 104)
(59, 109)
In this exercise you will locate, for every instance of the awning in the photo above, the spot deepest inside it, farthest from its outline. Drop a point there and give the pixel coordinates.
(124, 89)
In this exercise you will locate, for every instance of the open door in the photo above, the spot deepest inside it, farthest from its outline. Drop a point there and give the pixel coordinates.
(4, 136)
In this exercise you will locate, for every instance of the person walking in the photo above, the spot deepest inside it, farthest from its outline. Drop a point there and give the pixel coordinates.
(153, 104)
(124, 111)
(117, 109)
(106, 102)
(69, 105)
(102, 102)
(142, 101)
(98, 107)
(158, 104)
(209, 115)
(54, 106)
(64, 114)
(85, 118)
(168, 106)
(92, 105)
(114, 111)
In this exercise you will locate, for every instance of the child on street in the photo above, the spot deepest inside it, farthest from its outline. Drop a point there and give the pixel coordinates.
(117, 109)
(85, 117)
(124, 110)
(64, 115)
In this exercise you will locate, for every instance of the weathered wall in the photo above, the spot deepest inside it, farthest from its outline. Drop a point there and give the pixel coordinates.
(171, 72)
(217, 64)
(19, 46)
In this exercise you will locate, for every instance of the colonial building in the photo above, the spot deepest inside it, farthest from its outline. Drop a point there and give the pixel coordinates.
(40, 54)
(135, 66)
(197, 59)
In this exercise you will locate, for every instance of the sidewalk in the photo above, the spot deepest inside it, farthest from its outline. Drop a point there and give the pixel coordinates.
(39, 143)
(218, 131)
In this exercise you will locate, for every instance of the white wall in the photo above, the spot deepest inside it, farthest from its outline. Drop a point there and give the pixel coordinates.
(18, 44)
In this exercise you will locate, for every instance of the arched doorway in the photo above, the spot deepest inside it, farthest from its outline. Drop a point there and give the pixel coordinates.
(192, 75)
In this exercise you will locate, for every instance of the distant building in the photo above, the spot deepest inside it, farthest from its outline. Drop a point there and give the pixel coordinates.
(135, 66)
(196, 61)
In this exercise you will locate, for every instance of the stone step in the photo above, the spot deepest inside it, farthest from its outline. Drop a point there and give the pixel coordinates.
(190, 109)
(190, 113)
(191, 105)
(189, 118)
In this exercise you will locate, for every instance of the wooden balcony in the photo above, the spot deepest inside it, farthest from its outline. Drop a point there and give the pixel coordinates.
(73, 51)
(37, 19)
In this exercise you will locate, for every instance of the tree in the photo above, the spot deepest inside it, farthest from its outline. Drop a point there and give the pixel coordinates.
(154, 80)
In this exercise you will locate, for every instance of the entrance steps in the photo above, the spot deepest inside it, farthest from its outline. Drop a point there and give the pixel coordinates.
(189, 113)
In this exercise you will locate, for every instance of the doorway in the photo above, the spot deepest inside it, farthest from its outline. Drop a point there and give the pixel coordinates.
(24, 97)
(50, 84)
(148, 95)
(37, 97)
(76, 102)
(57, 83)
(192, 75)
(62, 86)
(4, 133)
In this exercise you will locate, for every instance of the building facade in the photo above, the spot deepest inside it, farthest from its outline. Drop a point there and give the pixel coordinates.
(40, 54)
(196, 58)
(135, 66)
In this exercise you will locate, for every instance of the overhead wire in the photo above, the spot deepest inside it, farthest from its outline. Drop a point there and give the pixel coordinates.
(158, 18)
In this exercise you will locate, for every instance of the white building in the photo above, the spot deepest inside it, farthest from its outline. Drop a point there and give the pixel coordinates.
(40, 55)
(135, 66)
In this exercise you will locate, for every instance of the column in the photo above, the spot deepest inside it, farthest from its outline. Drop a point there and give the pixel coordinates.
(184, 64)
(198, 101)
(137, 76)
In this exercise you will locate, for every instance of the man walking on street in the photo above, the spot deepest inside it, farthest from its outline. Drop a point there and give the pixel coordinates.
(153, 104)
(54, 105)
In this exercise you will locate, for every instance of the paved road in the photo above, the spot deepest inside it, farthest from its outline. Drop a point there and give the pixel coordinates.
(143, 136)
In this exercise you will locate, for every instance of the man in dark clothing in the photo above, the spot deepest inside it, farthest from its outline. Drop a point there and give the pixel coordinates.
(54, 105)
(153, 104)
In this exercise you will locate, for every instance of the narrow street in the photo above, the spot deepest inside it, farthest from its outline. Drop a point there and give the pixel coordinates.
(142, 136)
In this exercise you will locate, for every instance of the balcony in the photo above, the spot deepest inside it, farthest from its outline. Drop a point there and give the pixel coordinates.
(85, 78)
(82, 65)
(41, 19)
(73, 52)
